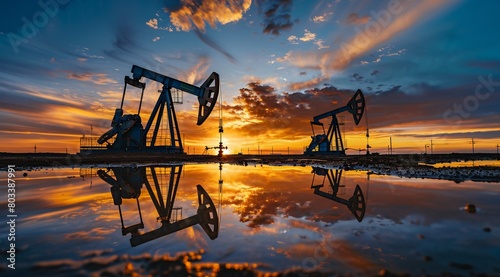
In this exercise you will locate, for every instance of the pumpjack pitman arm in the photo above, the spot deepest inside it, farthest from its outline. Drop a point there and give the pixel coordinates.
(207, 93)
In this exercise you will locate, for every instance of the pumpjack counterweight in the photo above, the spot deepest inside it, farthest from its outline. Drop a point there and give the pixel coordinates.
(128, 131)
(322, 143)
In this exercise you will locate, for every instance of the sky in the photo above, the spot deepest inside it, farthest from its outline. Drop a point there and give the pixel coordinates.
(429, 70)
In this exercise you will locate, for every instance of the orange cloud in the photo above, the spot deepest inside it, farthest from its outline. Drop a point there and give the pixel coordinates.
(193, 14)
(198, 72)
(354, 18)
(383, 26)
(96, 78)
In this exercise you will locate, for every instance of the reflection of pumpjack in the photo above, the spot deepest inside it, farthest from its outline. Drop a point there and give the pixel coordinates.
(356, 203)
(128, 184)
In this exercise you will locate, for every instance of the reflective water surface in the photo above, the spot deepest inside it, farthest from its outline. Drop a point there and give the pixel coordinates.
(468, 163)
(213, 218)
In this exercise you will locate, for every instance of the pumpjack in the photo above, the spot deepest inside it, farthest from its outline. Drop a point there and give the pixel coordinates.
(128, 184)
(127, 129)
(356, 203)
(322, 143)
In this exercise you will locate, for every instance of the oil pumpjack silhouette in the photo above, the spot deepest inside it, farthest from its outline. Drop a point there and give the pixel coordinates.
(356, 203)
(321, 142)
(127, 134)
(127, 184)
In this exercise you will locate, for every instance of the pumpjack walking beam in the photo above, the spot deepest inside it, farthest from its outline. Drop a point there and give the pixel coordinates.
(321, 143)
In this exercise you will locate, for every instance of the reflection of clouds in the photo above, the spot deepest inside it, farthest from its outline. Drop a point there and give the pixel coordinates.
(259, 220)
(288, 225)
(318, 255)
(194, 236)
(275, 195)
(99, 233)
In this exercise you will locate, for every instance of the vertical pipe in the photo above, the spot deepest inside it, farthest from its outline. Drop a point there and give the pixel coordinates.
(140, 103)
(123, 95)
(391, 144)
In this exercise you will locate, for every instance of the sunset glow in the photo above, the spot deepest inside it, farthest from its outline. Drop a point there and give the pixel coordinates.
(429, 70)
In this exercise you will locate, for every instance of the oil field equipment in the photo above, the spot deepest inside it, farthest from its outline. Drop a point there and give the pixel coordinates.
(322, 143)
(127, 183)
(356, 203)
(127, 132)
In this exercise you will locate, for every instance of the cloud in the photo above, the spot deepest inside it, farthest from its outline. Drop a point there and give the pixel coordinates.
(124, 46)
(483, 64)
(187, 15)
(50, 119)
(355, 19)
(364, 41)
(320, 44)
(276, 14)
(293, 39)
(153, 23)
(466, 136)
(22, 100)
(208, 41)
(260, 109)
(95, 78)
(357, 77)
(308, 36)
(308, 84)
(321, 18)
(197, 73)
(285, 58)
(423, 111)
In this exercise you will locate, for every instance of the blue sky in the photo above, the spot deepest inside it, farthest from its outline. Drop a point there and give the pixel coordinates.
(280, 61)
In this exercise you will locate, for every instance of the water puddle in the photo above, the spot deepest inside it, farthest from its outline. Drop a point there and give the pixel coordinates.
(221, 218)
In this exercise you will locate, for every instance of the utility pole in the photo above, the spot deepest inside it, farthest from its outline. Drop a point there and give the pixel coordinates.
(390, 140)
(497, 148)
(472, 142)
(35, 148)
(432, 149)
(91, 136)
(367, 135)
